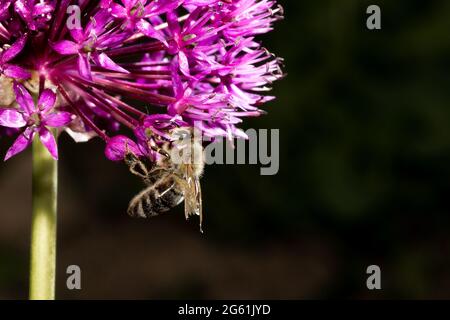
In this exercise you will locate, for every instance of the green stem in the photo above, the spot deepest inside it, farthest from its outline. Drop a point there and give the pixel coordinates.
(43, 227)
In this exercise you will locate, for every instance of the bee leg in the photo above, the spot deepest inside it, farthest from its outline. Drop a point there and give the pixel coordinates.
(155, 175)
(130, 157)
(159, 150)
(187, 199)
(136, 166)
(139, 170)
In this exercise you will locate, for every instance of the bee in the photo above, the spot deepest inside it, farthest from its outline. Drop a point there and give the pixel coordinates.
(174, 177)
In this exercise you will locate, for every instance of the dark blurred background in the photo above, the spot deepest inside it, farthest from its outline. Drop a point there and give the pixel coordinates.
(364, 118)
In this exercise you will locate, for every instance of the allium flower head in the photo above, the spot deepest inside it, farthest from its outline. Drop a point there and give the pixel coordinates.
(139, 65)
(34, 119)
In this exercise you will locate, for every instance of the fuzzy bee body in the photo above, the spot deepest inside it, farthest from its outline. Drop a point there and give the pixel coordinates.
(173, 179)
(156, 199)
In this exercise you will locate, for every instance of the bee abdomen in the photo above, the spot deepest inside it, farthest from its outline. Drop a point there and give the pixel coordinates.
(155, 200)
(169, 197)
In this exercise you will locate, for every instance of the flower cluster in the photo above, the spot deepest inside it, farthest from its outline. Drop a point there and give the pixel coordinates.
(92, 68)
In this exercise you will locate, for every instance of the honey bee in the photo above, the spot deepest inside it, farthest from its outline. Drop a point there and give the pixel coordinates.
(171, 179)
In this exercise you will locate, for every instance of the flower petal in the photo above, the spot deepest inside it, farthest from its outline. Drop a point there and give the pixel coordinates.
(118, 146)
(4, 7)
(174, 25)
(58, 119)
(84, 67)
(80, 136)
(77, 34)
(184, 64)
(98, 22)
(24, 10)
(42, 8)
(46, 100)
(118, 11)
(16, 72)
(11, 118)
(106, 62)
(148, 30)
(14, 50)
(22, 142)
(24, 98)
(65, 47)
(49, 142)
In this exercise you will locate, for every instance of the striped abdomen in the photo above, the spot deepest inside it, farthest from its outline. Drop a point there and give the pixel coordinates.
(155, 199)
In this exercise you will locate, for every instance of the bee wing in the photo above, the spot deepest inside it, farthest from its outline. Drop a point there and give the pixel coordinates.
(196, 205)
(199, 201)
(191, 193)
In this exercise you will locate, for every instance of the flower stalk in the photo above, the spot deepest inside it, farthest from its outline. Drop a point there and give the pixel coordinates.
(44, 221)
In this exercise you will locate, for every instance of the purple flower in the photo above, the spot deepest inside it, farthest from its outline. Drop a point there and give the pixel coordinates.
(136, 12)
(4, 7)
(34, 13)
(90, 43)
(12, 70)
(118, 146)
(189, 63)
(250, 17)
(33, 119)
